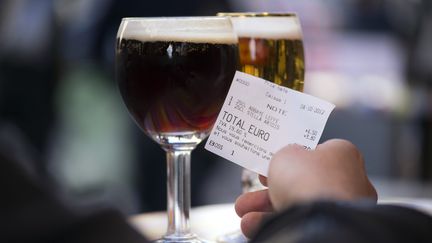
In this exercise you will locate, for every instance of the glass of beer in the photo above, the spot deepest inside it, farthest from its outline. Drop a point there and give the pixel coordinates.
(270, 47)
(173, 75)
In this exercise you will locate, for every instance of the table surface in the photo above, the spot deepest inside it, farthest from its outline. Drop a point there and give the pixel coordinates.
(212, 221)
(208, 222)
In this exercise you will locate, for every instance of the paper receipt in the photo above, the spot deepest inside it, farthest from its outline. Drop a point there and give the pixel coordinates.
(259, 117)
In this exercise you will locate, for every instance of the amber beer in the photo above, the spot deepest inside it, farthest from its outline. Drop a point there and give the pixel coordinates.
(271, 47)
(175, 83)
(270, 61)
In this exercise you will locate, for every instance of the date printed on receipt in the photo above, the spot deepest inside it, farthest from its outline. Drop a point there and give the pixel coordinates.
(259, 117)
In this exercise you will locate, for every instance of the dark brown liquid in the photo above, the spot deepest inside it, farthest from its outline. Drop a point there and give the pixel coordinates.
(174, 87)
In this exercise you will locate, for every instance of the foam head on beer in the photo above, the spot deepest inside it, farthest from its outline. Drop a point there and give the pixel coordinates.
(268, 27)
(181, 29)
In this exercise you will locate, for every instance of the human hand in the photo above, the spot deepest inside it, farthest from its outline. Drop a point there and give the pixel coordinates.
(334, 171)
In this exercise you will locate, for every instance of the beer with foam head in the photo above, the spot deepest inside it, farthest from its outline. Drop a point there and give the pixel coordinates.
(271, 47)
(174, 81)
(173, 75)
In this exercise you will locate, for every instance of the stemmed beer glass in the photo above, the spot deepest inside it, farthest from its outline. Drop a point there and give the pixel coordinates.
(173, 75)
(270, 47)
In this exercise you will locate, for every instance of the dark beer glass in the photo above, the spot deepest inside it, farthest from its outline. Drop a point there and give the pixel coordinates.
(173, 75)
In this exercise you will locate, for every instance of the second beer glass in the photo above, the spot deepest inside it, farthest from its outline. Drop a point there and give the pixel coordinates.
(270, 47)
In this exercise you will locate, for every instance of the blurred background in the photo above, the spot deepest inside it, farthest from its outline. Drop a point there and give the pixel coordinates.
(373, 59)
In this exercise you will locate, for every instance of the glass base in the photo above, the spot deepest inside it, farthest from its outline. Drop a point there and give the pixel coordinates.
(191, 239)
(234, 237)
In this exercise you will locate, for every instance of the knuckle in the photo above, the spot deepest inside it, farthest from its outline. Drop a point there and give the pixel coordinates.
(348, 147)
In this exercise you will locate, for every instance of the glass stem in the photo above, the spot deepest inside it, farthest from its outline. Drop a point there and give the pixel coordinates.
(178, 192)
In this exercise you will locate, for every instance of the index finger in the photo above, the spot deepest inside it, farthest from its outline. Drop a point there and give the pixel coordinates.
(257, 201)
